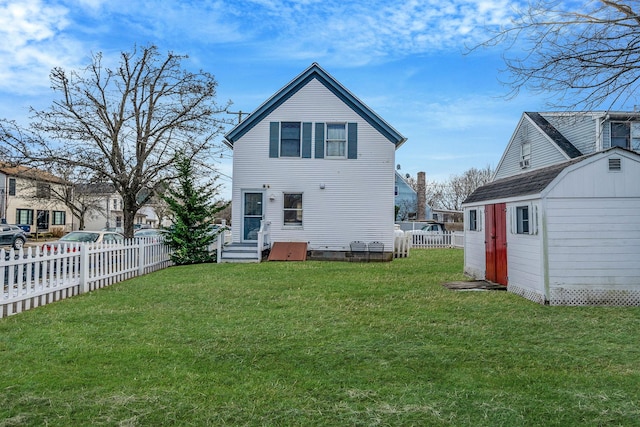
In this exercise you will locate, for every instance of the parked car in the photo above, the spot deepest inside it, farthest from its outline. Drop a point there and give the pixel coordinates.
(85, 237)
(116, 229)
(12, 235)
(431, 234)
(153, 234)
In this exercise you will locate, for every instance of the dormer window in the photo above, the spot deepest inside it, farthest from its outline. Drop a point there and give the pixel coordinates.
(625, 135)
(525, 155)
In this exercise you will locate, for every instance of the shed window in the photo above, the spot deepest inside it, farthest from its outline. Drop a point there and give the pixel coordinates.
(522, 220)
(473, 220)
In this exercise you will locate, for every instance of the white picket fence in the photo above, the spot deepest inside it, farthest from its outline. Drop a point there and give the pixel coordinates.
(32, 277)
(426, 239)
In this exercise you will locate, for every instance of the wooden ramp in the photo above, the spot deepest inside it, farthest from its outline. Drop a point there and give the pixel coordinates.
(288, 251)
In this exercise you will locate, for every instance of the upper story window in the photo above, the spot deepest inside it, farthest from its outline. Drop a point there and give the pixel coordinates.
(12, 186)
(43, 190)
(625, 135)
(290, 139)
(525, 155)
(336, 140)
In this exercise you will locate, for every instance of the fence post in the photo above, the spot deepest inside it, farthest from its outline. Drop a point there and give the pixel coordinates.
(141, 259)
(84, 268)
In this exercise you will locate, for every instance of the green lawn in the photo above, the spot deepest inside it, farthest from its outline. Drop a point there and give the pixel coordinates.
(318, 343)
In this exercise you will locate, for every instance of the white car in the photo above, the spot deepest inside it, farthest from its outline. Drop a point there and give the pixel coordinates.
(85, 237)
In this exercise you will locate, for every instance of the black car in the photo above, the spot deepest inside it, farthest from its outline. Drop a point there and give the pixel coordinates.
(12, 235)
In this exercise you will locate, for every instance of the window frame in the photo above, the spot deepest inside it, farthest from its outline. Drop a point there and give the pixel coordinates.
(631, 134)
(12, 186)
(299, 217)
(58, 218)
(43, 190)
(523, 222)
(473, 220)
(29, 214)
(525, 154)
(332, 141)
(282, 140)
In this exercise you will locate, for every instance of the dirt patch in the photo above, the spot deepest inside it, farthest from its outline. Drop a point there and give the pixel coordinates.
(474, 285)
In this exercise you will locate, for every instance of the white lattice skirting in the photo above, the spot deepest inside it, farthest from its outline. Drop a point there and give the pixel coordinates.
(562, 296)
(577, 297)
(526, 293)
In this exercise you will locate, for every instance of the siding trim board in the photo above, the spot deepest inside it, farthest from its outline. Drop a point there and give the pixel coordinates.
(314, 72)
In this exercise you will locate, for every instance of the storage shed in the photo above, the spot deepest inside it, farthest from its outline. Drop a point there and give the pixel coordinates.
(567, 234)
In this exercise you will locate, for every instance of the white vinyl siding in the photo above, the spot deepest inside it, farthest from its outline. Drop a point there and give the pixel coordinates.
(357, 201)
(542, 152)
(580, 130)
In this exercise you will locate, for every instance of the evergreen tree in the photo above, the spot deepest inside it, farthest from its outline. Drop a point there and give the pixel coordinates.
(193, 210)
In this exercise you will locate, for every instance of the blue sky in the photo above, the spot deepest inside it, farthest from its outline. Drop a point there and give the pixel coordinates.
(404, 59)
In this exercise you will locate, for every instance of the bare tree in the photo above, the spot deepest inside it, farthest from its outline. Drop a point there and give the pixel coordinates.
(450, 195)
(126, 124)
(586, 57)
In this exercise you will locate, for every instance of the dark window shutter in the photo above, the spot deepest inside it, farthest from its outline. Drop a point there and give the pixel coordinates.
(306, 140)
(274, 139)
(352, 141)
(319, 140)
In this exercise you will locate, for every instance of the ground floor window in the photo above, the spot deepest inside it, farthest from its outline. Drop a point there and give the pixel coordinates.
(24, 216)
(473, 220)
(522, 219)
(293, 209)
(59, 218)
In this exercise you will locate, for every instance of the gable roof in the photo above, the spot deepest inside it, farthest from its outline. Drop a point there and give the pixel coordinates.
(532, 182)
(563, 143)
(27, 172)
(314, 72)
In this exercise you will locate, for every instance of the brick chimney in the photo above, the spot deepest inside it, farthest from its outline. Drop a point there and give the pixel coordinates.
(422, 200)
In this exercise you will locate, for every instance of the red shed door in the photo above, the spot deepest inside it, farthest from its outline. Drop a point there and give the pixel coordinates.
(496, 243)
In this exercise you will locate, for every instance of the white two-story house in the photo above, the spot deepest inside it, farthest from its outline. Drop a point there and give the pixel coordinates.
(314, 165)
(560, 222)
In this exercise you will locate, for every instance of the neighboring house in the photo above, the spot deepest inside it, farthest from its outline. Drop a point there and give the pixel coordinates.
(26, 199)
(560, 222)
(407, 201)
(108, 209)
(318, 166)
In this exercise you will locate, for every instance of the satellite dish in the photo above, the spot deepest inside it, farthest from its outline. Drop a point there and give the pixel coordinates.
(398, 166)
(408, 176)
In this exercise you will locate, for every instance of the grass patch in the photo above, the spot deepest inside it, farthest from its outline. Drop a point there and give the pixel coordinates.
(314, 344)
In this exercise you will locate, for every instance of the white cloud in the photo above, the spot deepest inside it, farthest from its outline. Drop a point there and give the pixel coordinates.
(33, 43)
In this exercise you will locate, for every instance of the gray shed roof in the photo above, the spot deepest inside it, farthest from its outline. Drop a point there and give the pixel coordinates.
(523, 184)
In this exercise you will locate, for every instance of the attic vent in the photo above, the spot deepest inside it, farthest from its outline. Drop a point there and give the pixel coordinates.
(615, 165)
